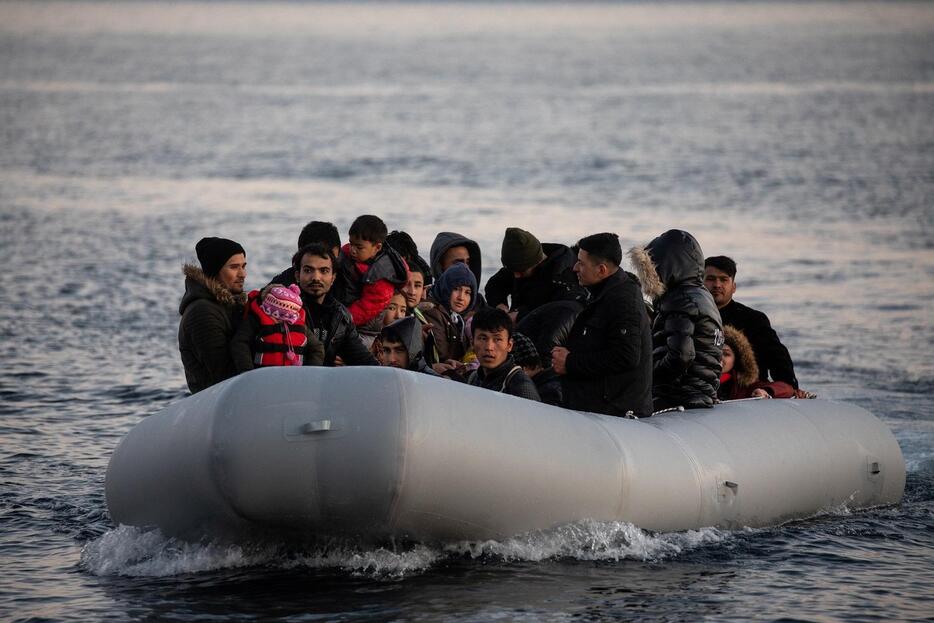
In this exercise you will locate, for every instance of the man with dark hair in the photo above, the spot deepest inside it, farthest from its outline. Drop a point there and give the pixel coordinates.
(492, 343)
(532, 275)
(211, 310)
(401, 346)
(606, 366)
(772, 357)
(328, 320)
(320, 232)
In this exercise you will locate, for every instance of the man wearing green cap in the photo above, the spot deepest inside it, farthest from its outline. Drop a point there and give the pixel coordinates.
(211, 311)
(532, 274)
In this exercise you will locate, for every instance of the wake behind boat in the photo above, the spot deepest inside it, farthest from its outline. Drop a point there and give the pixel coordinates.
(379, 453)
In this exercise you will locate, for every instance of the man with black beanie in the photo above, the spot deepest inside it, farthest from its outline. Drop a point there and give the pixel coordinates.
(211, 310)
(532, 275)
(606, 366)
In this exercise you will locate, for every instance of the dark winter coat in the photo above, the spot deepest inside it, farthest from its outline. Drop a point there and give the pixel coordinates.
(609, 367)
(507, 378)
(549, 325)
(772, 357)
(548, 384)
(552, 280)
(210, 317)
(687, 334)
(331, 323)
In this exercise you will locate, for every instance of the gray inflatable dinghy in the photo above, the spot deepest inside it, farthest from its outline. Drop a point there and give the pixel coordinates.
(375, 453)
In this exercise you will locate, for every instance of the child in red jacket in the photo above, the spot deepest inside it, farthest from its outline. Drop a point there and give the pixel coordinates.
(372, 270)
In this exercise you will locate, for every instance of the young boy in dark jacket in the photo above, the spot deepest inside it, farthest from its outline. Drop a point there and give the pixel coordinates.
(492, 342)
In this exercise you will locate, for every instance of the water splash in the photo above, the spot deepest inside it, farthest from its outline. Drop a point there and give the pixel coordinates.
(129, 551)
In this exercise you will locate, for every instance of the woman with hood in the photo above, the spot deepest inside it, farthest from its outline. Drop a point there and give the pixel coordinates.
(740, 375)
(453, 295)
(687, 333)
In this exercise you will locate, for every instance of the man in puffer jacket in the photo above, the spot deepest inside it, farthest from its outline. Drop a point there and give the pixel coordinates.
(687, 333)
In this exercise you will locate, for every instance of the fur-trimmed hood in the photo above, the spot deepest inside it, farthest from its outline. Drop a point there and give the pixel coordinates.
(670, 260)
(200, 286)
(745, 369)
(652, 286)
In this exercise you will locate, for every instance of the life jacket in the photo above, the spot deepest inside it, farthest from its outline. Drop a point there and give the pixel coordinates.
(270, 346)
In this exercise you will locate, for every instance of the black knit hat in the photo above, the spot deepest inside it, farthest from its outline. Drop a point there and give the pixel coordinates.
(213, 253)
(521, 250)
(524, 352)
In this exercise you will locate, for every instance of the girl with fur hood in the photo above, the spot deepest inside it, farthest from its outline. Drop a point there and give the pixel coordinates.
(740, 376)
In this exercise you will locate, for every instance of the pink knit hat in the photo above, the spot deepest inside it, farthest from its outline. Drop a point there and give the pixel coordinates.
(283, 304)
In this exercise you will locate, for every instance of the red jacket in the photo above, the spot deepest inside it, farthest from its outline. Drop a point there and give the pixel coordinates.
(731, 390)
(370, 285)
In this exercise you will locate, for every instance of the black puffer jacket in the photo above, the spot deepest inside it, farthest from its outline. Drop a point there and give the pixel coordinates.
(332, 324)
(210, 317)
(609, 368)
(549, 325)
(553, 280)
(687, 333)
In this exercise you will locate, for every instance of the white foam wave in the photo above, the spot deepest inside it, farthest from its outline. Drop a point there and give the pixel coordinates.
(592, 540)
(130, 551)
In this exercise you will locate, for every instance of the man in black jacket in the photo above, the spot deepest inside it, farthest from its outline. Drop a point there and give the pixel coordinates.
(771, 355)
(532, 275)
(606, 366)
(328, 320)
(492, 342)
(211, 310)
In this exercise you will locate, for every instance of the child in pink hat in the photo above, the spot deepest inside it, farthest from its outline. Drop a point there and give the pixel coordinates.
(274, 332)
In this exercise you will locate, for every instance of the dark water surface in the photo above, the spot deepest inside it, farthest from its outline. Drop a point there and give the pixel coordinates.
(797, 138)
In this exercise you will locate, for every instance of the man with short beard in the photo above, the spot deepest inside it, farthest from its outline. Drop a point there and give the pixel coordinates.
(328, 320)
(211, 311)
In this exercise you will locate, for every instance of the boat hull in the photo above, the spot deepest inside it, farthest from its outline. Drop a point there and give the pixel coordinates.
(379, 453)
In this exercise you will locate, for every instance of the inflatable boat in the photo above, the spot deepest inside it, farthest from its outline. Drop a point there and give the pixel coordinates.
(378, 453)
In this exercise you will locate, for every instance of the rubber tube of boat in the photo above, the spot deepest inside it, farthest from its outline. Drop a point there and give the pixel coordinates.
(380, 452)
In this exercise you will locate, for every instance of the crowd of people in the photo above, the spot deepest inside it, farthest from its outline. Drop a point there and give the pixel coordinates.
(563, 325)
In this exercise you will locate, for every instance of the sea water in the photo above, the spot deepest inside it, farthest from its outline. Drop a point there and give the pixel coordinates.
(796, 138)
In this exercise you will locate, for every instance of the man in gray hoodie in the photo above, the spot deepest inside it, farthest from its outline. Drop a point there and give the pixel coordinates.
(401, 346)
